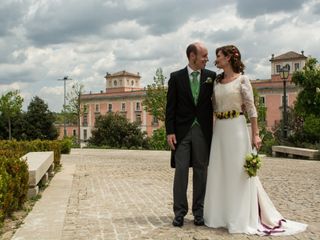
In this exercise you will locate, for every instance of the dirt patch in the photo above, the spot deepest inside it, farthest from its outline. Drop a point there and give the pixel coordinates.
(12, 223)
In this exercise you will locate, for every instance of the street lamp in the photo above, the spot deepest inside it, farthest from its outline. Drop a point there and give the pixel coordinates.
(66, 78)
(284, 74)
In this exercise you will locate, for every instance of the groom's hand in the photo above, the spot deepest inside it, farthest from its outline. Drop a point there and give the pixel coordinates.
(171, 139)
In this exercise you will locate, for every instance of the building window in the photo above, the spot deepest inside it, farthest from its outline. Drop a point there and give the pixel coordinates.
(85, 134)
(115, 83)
(74, 132)
(138, 106)
(296, 66)
(85, 120)
(262, 100)
(155, 121)
(132, 83)
(138, 118)
(85, 108)
(123, 107)
(97, 108)
(278, 67)
(109, 107)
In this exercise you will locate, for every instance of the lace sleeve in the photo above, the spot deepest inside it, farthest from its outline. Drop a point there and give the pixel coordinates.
(213, 97)
(247, 97)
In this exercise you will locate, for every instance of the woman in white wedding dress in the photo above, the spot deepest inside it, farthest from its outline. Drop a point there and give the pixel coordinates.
(233, 200)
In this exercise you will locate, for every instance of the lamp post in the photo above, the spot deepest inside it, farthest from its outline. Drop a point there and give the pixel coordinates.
(66, 78)
(284, 74)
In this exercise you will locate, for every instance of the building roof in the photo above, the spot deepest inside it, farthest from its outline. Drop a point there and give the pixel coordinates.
(116, 95)
(288, 55)
(122, 73)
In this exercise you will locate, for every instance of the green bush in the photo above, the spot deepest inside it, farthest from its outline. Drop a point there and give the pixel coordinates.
(4, 181)
(14, 178)
(14, 175)
(19, 148)
(311, 127)
(268, 140)
(266, 148)
(66, 145)
(116, 131)
(158, 141)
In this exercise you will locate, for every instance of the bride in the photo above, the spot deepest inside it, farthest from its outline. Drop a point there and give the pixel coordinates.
(233, 200)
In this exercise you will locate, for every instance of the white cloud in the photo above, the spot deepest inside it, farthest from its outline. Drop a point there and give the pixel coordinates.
(42, 41)
(51, 91)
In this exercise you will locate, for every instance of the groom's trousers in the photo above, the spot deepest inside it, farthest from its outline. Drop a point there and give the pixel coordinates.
(192, 148)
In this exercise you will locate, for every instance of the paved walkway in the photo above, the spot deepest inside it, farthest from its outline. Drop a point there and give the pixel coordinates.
(119, 194)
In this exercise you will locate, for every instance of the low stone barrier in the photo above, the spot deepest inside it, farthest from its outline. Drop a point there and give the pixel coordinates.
(40, 166)
(294, 151)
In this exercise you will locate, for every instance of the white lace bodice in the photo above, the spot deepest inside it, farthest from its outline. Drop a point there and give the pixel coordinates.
(230, 96)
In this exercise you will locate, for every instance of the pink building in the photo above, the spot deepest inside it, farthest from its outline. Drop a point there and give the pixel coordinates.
(71, 130)
(271, 90)
(123, 95)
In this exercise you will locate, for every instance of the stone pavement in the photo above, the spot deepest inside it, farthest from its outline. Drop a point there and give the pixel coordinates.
(127, 194)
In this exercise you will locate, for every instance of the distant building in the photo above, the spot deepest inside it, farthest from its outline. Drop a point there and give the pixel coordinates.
(71, 130)
(271, 90)
(124, 95)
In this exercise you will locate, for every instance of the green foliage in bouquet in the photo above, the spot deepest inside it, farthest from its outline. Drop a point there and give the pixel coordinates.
(253, 163)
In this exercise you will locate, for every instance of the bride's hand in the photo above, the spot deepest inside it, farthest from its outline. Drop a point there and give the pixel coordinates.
(256, 141)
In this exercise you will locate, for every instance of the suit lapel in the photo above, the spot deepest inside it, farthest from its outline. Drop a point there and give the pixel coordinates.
(186, 84)
(202, 85)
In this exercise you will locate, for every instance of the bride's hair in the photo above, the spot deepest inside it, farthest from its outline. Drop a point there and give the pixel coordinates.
(235, 57)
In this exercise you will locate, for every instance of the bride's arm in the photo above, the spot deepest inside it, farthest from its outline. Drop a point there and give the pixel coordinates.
(248, 100)
(256, 141)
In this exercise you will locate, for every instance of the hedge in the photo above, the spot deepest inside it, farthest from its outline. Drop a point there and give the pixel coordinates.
(14, 186)
(19, 148)
(14, 175)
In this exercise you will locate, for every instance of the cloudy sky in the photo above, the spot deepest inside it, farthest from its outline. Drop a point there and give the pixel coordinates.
(44, 40)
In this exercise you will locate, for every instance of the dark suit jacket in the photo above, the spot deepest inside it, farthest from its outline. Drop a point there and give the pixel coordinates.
(181, 110)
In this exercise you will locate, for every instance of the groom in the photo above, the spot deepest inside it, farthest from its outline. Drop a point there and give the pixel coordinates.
(188, 122)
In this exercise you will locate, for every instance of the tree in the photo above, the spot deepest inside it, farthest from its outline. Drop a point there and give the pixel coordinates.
(267, 136)
(10, 106)
(115, 131)
(3, 129)
(308, 100)
(40, 120)
(20, 126)
(73, 109)
(307, 105)
(156, 96)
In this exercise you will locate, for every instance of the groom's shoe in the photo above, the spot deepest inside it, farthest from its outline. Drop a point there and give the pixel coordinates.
(178, 221)
(198, 221)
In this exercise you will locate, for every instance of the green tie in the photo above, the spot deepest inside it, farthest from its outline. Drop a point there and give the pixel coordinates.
(195, 86)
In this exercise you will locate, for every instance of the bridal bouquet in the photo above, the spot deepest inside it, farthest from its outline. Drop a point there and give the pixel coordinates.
(253, 163)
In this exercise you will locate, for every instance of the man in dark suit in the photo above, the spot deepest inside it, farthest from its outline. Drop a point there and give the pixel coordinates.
(189, 117)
